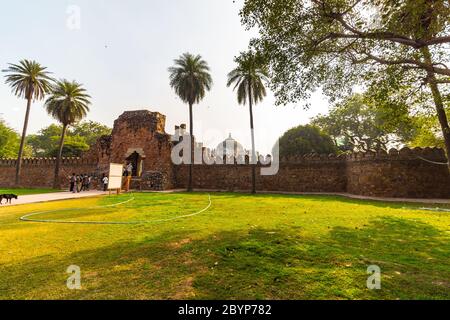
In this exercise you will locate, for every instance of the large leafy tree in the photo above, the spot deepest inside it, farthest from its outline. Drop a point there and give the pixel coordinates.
(190, 79)
(249, 78)
(68, 103)
(9, 142)
(74, 146)
(357, 124)
(304, 140)
(45, 140)
(79, 137)
(335, 44)
(90, 131)
(427, 133)
(31, 81)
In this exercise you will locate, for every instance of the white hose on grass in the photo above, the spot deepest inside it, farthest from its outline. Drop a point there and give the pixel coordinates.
(26, 218)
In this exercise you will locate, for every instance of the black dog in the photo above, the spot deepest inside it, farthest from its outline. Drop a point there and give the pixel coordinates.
(8, 197)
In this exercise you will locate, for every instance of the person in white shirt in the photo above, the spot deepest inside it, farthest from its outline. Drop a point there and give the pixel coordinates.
(105, 182)
(130, 169)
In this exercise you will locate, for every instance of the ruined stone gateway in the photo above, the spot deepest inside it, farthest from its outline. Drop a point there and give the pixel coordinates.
(139, 137)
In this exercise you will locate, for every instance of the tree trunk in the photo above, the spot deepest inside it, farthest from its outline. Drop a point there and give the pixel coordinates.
(22, 142)
(191, 132)
(59, 157)
(250, 103)
(440, 109)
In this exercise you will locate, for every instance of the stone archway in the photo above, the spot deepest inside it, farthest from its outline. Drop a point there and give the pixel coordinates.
(136, 157)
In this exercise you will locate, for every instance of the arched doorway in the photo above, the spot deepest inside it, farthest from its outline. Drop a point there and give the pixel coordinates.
(136, 158)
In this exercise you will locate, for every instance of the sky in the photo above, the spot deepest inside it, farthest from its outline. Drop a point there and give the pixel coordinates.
(121, 50)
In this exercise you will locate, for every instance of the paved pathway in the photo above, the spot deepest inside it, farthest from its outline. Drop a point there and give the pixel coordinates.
(35, 198)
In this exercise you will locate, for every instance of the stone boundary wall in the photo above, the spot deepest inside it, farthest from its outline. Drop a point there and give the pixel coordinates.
(39, 172)
(44, 161)
(408, 173)
(320, 174)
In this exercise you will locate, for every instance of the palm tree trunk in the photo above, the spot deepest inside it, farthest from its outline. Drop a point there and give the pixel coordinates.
(58, 159)
(438, 102)
(22, 142)
(191, 131)
(253, 162)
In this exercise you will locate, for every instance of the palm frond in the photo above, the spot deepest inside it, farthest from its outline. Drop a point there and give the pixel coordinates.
(250, 73)
(68, 102)
(28, 80)
(190, 78)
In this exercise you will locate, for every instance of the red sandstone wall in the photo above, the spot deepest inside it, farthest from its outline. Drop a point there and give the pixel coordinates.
(39, 173)
(399, 174)
(304, 176)
(143, 130)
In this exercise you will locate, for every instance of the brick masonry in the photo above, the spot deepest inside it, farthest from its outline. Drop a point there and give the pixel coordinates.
(402, 173)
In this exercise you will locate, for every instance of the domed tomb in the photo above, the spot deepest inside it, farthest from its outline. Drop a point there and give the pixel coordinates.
(230, 147)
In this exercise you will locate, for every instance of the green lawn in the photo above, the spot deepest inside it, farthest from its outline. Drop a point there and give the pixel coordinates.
(244, 247)
(23, 192)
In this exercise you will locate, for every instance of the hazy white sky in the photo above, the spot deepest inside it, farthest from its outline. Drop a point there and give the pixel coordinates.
(121, 54)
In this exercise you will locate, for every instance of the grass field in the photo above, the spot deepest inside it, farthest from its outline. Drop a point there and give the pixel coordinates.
(23, 192)
(243, 247)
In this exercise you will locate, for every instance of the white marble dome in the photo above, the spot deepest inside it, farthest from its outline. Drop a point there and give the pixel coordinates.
(230, 147)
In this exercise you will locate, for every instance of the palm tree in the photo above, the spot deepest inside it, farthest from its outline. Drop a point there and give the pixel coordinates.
(248, 78)
(68, 103)
(190, 79)
(28, 80)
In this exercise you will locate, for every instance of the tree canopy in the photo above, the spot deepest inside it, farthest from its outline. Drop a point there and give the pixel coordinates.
(340, 43)
(190, 78)
(79, 139)
(305, 140)
(357, 124)
(10, 142)
(249, 78)
(68, 102)
(335, 45)
(28, 79)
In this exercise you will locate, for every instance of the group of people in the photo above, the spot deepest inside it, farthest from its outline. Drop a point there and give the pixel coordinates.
(80, 182)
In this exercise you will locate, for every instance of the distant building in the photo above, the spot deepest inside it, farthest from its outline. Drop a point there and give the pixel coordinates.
(230, 147)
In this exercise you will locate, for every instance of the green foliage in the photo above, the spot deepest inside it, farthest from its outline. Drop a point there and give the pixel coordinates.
(334, 45)
(28, 79)
(90, 131)
(45, 140)
(358, 124)
(9, 141)
(249, 78)
(79, 138)
(304, 140)
(74, 146)
(190, 78)
(427, 133)
(68, 102)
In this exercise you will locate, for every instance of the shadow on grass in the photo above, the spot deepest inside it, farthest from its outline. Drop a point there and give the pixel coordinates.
(249, 264)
